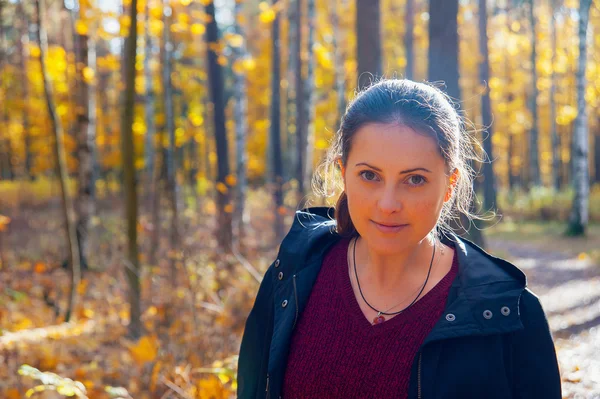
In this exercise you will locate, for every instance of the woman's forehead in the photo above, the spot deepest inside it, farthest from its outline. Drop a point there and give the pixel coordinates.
(393, 144)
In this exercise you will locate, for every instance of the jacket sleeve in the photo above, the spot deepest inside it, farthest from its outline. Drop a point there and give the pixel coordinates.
(536, 373)
(256, 342)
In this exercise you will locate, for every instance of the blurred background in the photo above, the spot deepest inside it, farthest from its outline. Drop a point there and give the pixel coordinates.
(148, 175)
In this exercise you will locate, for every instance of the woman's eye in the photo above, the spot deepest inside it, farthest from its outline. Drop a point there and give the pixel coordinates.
(368, 175)
(416, 180)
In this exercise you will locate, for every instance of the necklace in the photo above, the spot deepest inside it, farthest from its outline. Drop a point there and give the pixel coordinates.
(379, 318)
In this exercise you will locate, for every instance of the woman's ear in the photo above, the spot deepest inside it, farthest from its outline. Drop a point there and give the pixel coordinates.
(340, 165)
(452, 185)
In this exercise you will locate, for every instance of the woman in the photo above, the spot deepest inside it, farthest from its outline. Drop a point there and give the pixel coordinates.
(377, 298)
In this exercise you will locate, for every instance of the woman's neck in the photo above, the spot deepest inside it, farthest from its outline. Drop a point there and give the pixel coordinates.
(385, 272)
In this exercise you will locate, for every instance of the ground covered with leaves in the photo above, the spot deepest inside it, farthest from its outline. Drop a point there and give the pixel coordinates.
(193, 321)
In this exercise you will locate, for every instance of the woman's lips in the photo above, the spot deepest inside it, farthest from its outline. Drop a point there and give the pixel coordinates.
(389, 228)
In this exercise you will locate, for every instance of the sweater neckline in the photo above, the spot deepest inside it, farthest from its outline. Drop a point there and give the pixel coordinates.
(352, 307)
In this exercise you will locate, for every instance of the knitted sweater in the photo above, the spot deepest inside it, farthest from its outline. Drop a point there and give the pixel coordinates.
(336, 352)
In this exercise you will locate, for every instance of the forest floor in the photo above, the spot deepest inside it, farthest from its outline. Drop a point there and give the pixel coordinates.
(193, 324)
(565, 274)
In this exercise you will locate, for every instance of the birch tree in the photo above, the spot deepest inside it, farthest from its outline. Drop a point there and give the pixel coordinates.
(578, 219)
(241, 128)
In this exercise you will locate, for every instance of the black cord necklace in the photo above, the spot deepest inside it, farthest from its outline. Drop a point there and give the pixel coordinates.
(379, 318)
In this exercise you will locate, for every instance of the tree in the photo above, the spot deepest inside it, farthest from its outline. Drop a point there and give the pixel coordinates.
(368, 41)
(489, 183)
(216, 83)
(275, 131)
(443, 66)
(85, 55)
(149, 106)
(310, 96)
(578, 219)
(534, 161)
(132, 267)
(340, 77)
(241, 128)
(23, 50)
(409, 48)
(60, 165)
(443, 45)
(556, 160)
(304, 98)
(291, 118)
(171, 163)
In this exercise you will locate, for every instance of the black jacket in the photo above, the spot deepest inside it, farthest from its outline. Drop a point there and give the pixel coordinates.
(492, 341)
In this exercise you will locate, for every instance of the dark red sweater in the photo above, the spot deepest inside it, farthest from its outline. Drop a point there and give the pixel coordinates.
(336, 352)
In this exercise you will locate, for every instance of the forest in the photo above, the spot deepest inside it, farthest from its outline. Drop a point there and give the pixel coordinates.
(153, 154)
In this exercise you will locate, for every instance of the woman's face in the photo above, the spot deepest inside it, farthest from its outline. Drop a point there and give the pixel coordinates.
(395, 180)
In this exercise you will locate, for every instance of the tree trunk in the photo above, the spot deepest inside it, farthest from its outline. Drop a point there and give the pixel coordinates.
(368, 41)
(6, 155)
(172, 186)
(215, 74)
(23, 50)
(86, 141)
(581, 184)
(61, 167)
(149, 108)
(597, 153)
(556, 157)
(132, 267)
(443, 66)
(301, 113)
(443, 45)
(309, 96)
(534, 161)
(489, 182)
(290, 154)
(277, 168)
(409, 47)
(340, 77)
(241, 128)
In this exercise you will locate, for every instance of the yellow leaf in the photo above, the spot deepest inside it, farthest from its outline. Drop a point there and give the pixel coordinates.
(198, 29)
(249, 64)
(222, 188)
(222, 60)
(267, 16)
(582, 256)
(145, 350)
(236, 40)
(81, 28)
(228, 208)
(88, 75)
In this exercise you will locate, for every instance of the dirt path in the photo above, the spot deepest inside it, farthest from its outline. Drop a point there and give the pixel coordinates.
(569, 289)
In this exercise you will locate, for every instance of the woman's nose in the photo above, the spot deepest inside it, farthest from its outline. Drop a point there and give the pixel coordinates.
(388, 201)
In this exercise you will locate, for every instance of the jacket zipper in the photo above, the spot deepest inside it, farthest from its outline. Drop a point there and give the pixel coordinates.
(296, 300)
(419, 376)
(267, 389)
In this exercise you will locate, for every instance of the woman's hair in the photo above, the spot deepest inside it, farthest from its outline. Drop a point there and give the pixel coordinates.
(425, 109)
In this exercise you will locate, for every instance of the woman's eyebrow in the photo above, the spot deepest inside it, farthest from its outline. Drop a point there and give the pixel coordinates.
(402, 172)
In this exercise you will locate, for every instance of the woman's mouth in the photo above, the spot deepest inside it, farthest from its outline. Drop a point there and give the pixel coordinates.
(388, 227)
